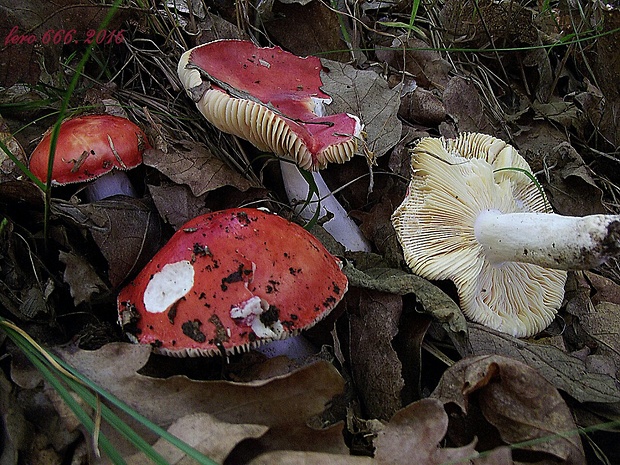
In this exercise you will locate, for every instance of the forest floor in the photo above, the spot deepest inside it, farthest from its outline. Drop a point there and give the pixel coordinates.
(398, 374)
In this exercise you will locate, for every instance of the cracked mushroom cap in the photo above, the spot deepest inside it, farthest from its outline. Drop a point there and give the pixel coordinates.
(271, 98)
(89, 147)
(228, 281)
(453, 181)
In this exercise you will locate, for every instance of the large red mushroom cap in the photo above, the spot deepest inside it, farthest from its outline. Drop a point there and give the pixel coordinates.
(271, 98)
(228, 281)
(89, 147)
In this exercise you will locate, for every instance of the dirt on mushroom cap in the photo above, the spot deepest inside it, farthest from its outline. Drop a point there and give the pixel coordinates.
(256, 277)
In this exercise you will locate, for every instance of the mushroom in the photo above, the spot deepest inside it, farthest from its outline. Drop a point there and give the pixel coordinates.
(89, 147)
(273, 99)
(473, 214)
(228, 281)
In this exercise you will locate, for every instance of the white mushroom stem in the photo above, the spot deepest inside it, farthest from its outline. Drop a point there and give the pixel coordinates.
(340, 226)
(548, 240)
(115, 182)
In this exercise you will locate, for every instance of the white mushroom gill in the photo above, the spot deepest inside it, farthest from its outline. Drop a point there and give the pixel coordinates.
(168, 286)
(472, 214)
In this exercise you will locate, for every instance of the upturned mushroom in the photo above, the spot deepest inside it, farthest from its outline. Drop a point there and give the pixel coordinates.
(472, 214)
(94, 148)
(274, 100)
(229, 281)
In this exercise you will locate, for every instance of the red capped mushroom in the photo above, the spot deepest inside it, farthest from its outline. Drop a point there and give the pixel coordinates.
(89, 147)
(228, 281)
(273, 99)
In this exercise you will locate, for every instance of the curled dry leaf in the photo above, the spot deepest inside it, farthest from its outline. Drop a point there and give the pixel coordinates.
(517, 401)
(193, 164)
(566, 372)
(176, 204)
(81, 277)
(285, 400)
(572, 190)
(126, 230)
(413, 435)
(204, 433)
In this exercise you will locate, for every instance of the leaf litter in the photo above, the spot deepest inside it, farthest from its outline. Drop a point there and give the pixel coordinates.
(399, 375)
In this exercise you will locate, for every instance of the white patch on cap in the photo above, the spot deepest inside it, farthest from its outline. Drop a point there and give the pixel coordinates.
(249, 312)
(168, 285)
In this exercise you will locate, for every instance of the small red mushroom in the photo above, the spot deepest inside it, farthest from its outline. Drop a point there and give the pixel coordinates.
(89, 147)
(228, 281)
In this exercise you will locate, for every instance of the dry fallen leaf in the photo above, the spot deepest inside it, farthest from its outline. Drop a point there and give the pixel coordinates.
(204, 433)
(373, 318)
(464, 104)
(367, 95)
(285, 400)
(603, 326)
(428, 67)
(516, 400)
(194, 165)
(413, 435)
(308, 39)
(572, 190)
(81, 277)
(566, 372)
(126, 230)
(176, 204)
(286, 457)
(433, 300)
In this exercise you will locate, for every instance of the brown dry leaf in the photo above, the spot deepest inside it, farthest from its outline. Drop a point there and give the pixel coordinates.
(463, 103)
(204, 433)
(81, 277)
(422, 106)
(373, 322)
(517, 401)
(193, 164)
(557, 110)
(317, 28)
(564, 371)
(603, 289)
(285, 400)
(296, 441)
(428, 67)
(176, 204)
(287, 457)
(126, 230)
(368, 96)
(603, 325)
(572, 190)
(413, 435)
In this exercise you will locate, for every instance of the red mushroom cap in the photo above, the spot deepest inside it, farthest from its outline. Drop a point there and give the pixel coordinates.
(89, 147)
(228, 281)
(271, 98)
